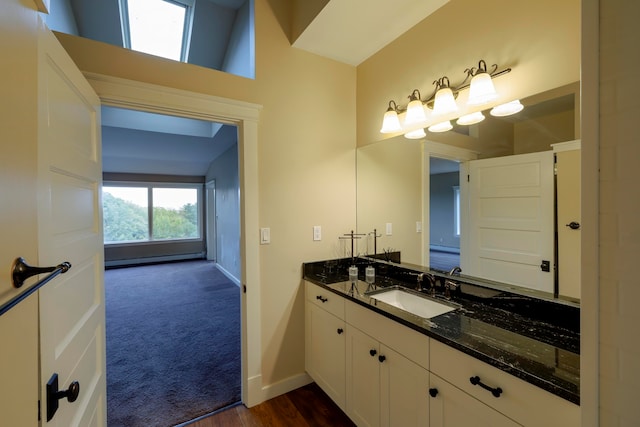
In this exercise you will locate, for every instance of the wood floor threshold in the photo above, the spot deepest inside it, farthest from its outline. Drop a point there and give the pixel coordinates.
(306, 406)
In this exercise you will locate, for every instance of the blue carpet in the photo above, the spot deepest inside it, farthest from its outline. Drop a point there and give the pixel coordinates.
(173, 343)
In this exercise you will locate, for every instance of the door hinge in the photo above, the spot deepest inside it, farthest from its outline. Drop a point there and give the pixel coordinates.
(468, 178)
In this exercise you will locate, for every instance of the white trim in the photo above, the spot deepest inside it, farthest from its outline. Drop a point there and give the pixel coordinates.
(230, 276)
(567, 146)
(590, 199)
(135, 95)
(286, 385)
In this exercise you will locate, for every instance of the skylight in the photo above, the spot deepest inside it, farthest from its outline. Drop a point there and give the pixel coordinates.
(158, 27)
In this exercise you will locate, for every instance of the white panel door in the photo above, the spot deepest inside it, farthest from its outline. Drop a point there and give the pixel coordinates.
(72, 334)
(511, 220)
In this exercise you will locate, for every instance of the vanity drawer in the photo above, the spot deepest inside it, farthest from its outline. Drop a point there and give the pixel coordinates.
(523, 402)
(325, 299)
(404, 340)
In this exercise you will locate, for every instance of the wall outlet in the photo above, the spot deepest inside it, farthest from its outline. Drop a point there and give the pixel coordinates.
(317, 233)
(265, 236)
(389, 229)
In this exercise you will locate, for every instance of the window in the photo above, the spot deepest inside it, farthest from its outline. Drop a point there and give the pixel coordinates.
(157, 27)
(456, 211)
(142, 213)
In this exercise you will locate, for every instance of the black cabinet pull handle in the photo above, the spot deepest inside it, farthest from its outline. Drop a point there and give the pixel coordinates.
(573, 225)
(373, 352)
(322, 299)
(340, 330)
(382, 358)
(433, 392)
(495, 391)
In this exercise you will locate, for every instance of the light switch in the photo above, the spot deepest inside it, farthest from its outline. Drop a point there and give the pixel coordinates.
(418, 226)
(317, 233)
(265, 236)
(389, 229)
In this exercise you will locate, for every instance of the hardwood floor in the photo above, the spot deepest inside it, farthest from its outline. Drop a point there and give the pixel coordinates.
(306, 406)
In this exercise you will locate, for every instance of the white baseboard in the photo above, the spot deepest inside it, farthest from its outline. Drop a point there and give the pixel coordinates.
(285, 386)
(230, 276)
(258, 394)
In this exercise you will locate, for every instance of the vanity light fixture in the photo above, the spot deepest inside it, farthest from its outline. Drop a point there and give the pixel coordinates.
(471, 119)
(443, 100)
(507, 109)
(481, 88)
(391, 122)
(415, 134)
(441, 127)
(415, 110)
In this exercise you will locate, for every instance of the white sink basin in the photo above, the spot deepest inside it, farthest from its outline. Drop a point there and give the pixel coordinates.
(412, 303)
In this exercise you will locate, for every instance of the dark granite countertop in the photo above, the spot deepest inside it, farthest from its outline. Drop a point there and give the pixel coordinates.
(535, 340)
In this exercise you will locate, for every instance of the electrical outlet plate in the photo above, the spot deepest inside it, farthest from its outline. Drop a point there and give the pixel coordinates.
(389, 229)
(317, 233)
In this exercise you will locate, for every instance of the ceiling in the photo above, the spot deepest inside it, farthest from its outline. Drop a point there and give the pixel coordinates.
(145, 143)
(350, 31)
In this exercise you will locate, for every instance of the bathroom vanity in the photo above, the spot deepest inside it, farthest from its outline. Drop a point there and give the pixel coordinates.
(492, 358)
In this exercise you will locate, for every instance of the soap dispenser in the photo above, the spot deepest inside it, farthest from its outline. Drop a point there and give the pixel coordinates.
(370, 277)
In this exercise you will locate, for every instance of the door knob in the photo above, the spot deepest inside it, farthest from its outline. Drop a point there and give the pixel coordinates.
(53, 395)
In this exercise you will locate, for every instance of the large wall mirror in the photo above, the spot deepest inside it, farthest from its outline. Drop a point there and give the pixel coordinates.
(410, 198)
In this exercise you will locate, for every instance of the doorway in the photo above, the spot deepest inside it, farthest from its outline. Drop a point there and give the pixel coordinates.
(444, 214)
(155, 172)
(123, 93)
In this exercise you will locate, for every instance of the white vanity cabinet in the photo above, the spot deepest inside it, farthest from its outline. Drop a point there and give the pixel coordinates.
(325, 341)
(518, 400)
(385, 387)
(383, 373)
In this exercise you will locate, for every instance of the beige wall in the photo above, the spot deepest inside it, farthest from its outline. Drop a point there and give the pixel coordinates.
(619, 248)
(539, 40)
(306, 161)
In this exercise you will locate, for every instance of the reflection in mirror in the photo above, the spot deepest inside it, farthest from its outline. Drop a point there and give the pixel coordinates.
(217, 34)
(413, 210)
(444, 214)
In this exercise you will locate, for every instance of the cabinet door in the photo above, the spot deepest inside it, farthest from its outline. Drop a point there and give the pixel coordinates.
(325, 348)
(451, 407)
(404, 391)
(363, 378)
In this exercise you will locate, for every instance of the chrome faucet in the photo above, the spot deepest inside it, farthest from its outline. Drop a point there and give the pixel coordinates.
(455, 270)
(432, 283)
(420, 278)
(450, 285)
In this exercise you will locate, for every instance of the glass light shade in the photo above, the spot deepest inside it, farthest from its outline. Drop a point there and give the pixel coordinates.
(415, 113)
(391, 122)
(444, 102)
(415, 134)
(507, 109)
(441, 127)
(471, 119)
(481, 89)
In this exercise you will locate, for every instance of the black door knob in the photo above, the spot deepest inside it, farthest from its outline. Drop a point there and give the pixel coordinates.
(373, 352)
(382, 358)
(53, 395)
(433, 392)
(340, 330)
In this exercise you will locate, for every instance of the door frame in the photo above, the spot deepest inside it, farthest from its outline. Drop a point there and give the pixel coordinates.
(211, 220)
(449, 152)
(134, 95)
